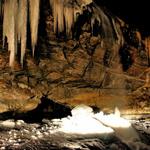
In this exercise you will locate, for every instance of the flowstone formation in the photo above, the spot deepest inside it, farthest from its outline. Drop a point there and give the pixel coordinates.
(82, 54)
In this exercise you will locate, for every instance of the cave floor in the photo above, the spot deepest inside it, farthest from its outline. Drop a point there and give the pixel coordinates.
(18, 135)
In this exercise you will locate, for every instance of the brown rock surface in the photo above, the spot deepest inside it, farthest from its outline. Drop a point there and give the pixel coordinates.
(86, 71)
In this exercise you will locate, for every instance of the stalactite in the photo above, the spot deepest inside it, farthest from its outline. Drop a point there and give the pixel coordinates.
(22, 27)
(34, 20)
(9, 30)
(69, 18)
(63, 12)
(65, 15)
(15, 25)
(5, 21)
(58, 13)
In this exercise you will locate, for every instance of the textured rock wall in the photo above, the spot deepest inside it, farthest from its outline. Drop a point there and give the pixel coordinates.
(88, 69)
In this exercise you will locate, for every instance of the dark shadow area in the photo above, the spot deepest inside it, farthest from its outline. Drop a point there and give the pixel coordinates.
(47, 109)
(126, 57)
(135, 14)
(96, 28)
(83, 18)
(42, 34)
(107, 58)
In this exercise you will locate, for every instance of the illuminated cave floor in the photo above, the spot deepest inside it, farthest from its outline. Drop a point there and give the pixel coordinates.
(18, 135)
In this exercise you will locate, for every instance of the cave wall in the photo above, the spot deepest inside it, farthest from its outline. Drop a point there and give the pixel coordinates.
(96, 70)
(135, 14)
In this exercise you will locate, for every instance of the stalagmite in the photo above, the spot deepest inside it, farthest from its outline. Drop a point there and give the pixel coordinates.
(34, 20)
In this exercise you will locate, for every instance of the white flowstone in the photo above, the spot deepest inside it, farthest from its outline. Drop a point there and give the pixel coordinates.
(26, 131)
(8, 124)
(46, 133)
(20, 122)
(34, 137)
(38, 133)
(40, 136)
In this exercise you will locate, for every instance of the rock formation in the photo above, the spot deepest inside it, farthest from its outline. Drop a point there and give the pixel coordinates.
(93, 58)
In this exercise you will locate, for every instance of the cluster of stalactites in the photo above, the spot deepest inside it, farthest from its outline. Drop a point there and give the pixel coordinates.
(64, 13)
(15, 17)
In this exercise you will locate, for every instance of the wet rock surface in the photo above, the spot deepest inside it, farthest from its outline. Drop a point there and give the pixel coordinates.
(20, 135)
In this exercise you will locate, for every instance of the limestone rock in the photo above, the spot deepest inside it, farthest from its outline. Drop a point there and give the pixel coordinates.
(87, 69)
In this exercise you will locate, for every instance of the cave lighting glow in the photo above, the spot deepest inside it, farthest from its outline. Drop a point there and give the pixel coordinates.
(84, 121)
(113, 120)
